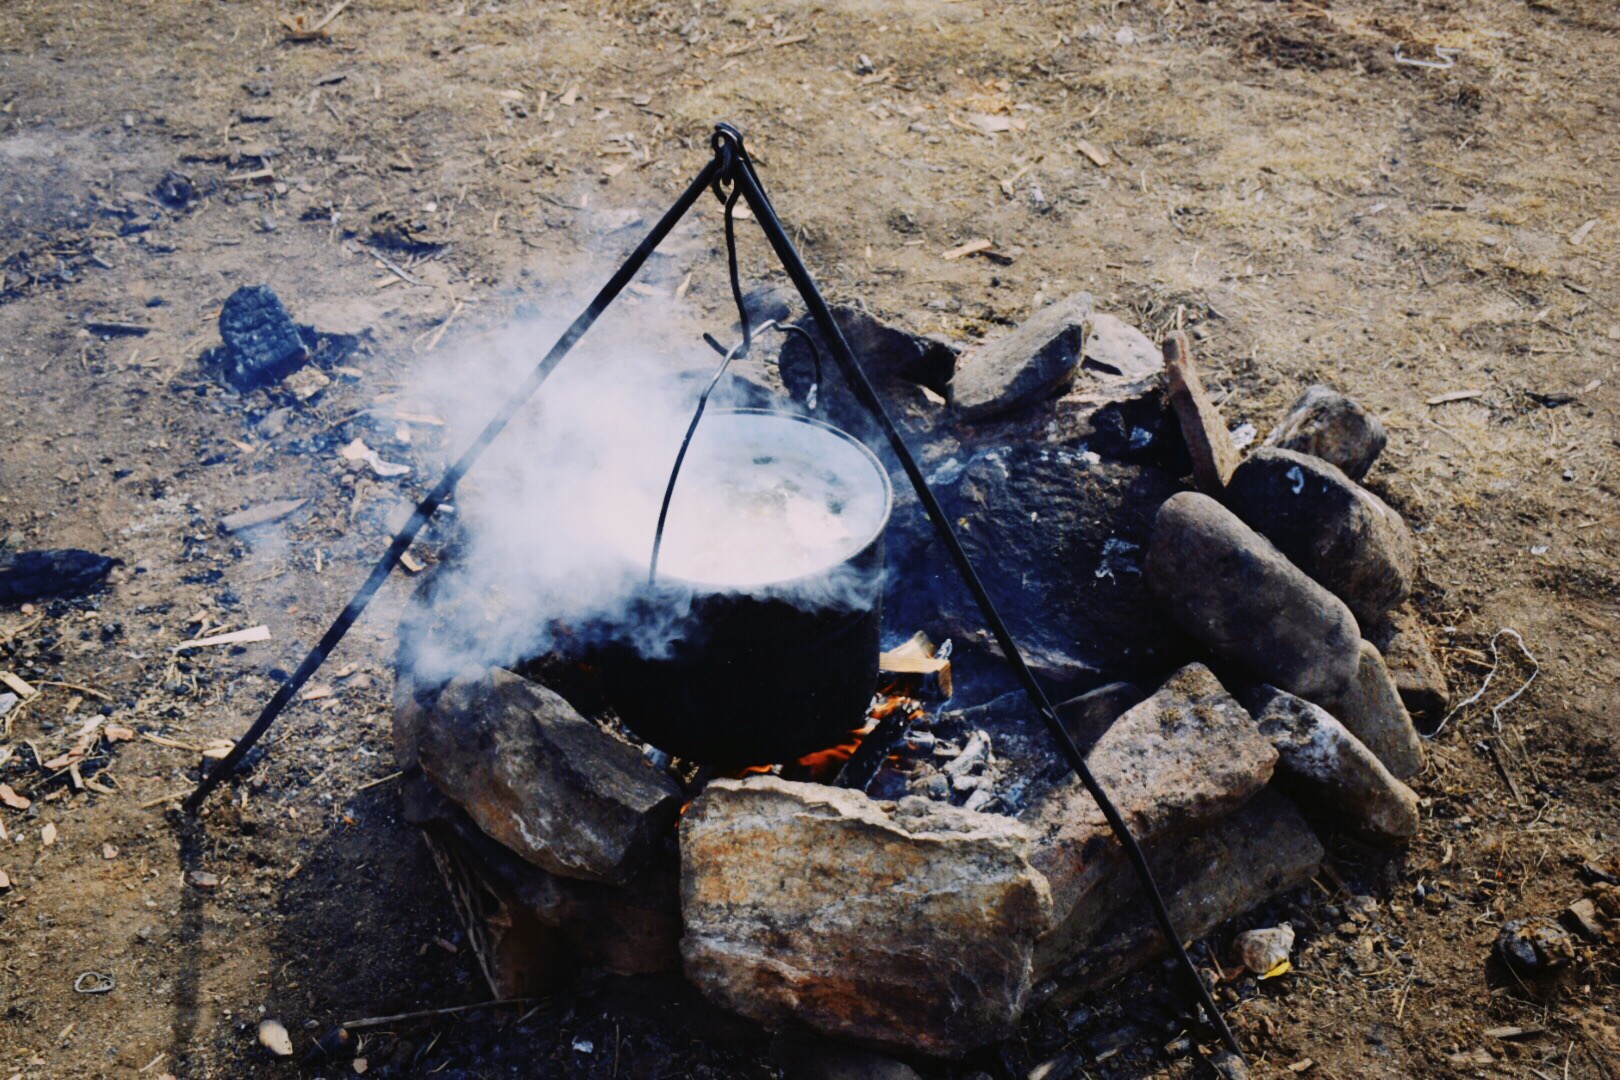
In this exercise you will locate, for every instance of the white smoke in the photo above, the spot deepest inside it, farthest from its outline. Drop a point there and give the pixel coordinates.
(557, 518)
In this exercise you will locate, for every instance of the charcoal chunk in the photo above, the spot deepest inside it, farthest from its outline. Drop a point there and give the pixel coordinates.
(175, 191)
(262, 343)
(33, 575)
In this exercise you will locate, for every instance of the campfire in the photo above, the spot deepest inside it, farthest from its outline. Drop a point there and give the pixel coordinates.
(929, 867)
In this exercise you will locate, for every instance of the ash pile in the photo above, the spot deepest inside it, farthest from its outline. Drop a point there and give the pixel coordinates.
(1230, 631)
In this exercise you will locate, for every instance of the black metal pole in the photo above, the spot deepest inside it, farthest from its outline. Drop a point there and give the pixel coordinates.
(447, 483)
(742, 173)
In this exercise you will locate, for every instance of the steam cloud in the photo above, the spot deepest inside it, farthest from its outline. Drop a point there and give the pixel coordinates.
(557, 518)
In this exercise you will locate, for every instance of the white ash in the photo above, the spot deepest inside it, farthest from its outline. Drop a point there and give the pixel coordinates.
(961, 770)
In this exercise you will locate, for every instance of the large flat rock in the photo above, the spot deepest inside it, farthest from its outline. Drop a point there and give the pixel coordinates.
(907, 926)
(1263, 849)
(544, 781)
(1058, 538)
(1184, 758)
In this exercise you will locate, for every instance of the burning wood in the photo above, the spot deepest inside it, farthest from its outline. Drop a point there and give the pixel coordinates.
(918, 667)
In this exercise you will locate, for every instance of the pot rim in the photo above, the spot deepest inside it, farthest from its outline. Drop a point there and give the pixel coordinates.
(782, 585)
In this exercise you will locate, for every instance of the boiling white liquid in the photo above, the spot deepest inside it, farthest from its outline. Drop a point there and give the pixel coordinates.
(745, 515)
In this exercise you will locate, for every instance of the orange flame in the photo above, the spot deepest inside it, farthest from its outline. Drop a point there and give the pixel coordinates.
(823, 765)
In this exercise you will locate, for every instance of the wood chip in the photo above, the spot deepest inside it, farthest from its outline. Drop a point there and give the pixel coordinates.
(1511, 1032)
(972, 247)
(14, 800)
(1581, 233)
(1098, 157)
(5, 881)
(1301, 1065)
(1455, 395)
(21, 688)
(410, 563)
(235, 637)
(987, 123)
(109, 852)
(299, 28)
(316, 693)
(260, 515)
(47, 835)
(213, 748)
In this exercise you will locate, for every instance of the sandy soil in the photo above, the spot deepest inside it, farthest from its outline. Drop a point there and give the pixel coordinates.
(1275, 178)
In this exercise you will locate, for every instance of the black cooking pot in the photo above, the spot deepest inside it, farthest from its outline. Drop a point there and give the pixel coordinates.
(766, 672)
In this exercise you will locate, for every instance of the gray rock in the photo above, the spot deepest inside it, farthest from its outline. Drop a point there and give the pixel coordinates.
(1325, 767)
(896, 361)
(1058, 538)
(1115, 347)
(904, 927)
(1370, 707)
(1326, 424)
(1202, 426)
(1026, 365)
(1246, 858)
(1180, 760)
(1338, 532)
(544, 781)
(1408, 649)
(1227, 586)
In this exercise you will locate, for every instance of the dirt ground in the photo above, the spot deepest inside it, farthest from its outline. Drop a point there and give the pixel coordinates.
(1274, 177)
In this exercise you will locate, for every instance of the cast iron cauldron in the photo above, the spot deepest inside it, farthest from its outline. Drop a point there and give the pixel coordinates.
(769, 671)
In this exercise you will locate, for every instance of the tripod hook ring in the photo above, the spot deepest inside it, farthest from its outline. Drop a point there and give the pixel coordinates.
(727, 143)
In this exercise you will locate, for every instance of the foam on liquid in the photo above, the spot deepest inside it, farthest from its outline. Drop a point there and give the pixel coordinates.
(747, 515)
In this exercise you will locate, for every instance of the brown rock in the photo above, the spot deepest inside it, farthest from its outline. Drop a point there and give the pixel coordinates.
(543, 781)
(1408, 649)
(1326, 424)
(1229, 587)
(1370, 708)
(1178, 761)
(1244, 859)
(1342, 535)
(1326, 768)
(1026, 365)
(541, 925)
(906, 927)
(1583, 913)
(1208, 440)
